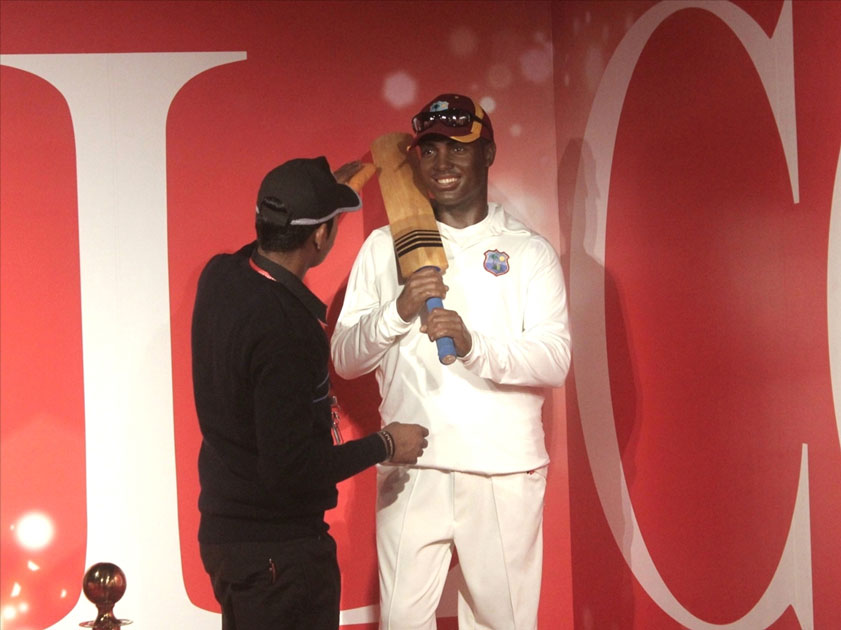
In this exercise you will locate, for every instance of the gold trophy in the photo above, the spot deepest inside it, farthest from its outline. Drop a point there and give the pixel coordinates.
(104, 585)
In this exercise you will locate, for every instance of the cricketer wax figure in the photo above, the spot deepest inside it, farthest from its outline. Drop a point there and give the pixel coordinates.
(479, 486)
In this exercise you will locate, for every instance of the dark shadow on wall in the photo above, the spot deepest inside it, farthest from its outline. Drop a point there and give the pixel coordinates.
(359, 401)
(602, 581)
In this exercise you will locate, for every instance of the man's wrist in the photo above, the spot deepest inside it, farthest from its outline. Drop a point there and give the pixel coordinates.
(393, 321)
(388, 442)
(468, 356)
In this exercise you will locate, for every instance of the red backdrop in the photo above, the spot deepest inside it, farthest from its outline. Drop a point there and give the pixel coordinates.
(698, 170)
(681, 156)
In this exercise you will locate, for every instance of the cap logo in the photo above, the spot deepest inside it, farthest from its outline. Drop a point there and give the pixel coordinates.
(496, 262)
(439, 106)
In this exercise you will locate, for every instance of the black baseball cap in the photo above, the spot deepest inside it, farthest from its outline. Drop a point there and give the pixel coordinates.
(303, 191)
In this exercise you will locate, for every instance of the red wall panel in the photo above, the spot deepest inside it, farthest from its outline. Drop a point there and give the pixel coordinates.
(713, 285)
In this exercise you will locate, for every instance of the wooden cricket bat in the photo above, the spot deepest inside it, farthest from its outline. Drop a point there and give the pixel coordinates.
(417, 241)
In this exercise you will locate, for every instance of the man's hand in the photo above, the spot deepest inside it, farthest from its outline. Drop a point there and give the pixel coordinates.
(420, 286)
(354, 174)
(444, 323)
(409, 442)
(346, 171)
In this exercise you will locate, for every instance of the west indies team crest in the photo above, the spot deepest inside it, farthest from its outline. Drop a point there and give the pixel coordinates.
(496, 262)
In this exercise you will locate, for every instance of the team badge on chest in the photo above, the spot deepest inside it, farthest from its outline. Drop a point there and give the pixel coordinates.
(496, 262)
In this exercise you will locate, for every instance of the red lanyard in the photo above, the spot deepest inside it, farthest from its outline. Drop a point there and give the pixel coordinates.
(261, 271)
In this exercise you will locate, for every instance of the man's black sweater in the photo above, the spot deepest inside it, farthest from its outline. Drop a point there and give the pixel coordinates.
(268, 468)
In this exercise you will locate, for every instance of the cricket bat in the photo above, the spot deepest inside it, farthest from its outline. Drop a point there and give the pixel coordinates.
(417, 241)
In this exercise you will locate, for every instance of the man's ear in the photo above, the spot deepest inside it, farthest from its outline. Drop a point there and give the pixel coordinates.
(490, 152)
(320, 236)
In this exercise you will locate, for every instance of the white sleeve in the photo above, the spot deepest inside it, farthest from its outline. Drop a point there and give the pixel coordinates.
(368, 323)
(540, 355)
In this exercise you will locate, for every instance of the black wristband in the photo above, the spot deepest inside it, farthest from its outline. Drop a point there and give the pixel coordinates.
(388, 441)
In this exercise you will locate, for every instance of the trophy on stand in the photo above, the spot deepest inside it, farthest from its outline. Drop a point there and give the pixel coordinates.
(104, 585)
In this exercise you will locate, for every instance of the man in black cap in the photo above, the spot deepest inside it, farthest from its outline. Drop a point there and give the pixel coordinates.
(268, 464)
(479, 486)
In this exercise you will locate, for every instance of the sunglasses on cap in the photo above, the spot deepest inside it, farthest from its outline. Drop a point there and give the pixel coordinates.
(450, 117)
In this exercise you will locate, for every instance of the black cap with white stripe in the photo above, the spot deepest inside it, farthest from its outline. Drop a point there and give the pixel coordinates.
(304, 191)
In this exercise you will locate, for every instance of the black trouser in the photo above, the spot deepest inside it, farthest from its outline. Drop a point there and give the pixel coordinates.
(288, 585)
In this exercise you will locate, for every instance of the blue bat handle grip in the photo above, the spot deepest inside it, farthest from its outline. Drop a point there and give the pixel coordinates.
(446, 347)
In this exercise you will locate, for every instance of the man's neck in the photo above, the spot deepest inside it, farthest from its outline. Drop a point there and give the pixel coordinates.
(291, 261)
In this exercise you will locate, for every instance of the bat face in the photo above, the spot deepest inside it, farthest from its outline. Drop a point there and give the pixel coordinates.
(417, 233)
(417, 242)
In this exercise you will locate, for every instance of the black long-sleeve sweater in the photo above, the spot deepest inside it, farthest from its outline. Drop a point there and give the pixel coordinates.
(267, 466)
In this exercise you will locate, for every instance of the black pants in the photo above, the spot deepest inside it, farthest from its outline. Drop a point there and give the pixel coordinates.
(289, 585)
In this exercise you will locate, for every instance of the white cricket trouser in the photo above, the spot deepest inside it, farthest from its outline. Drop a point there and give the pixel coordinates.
(496, 525)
